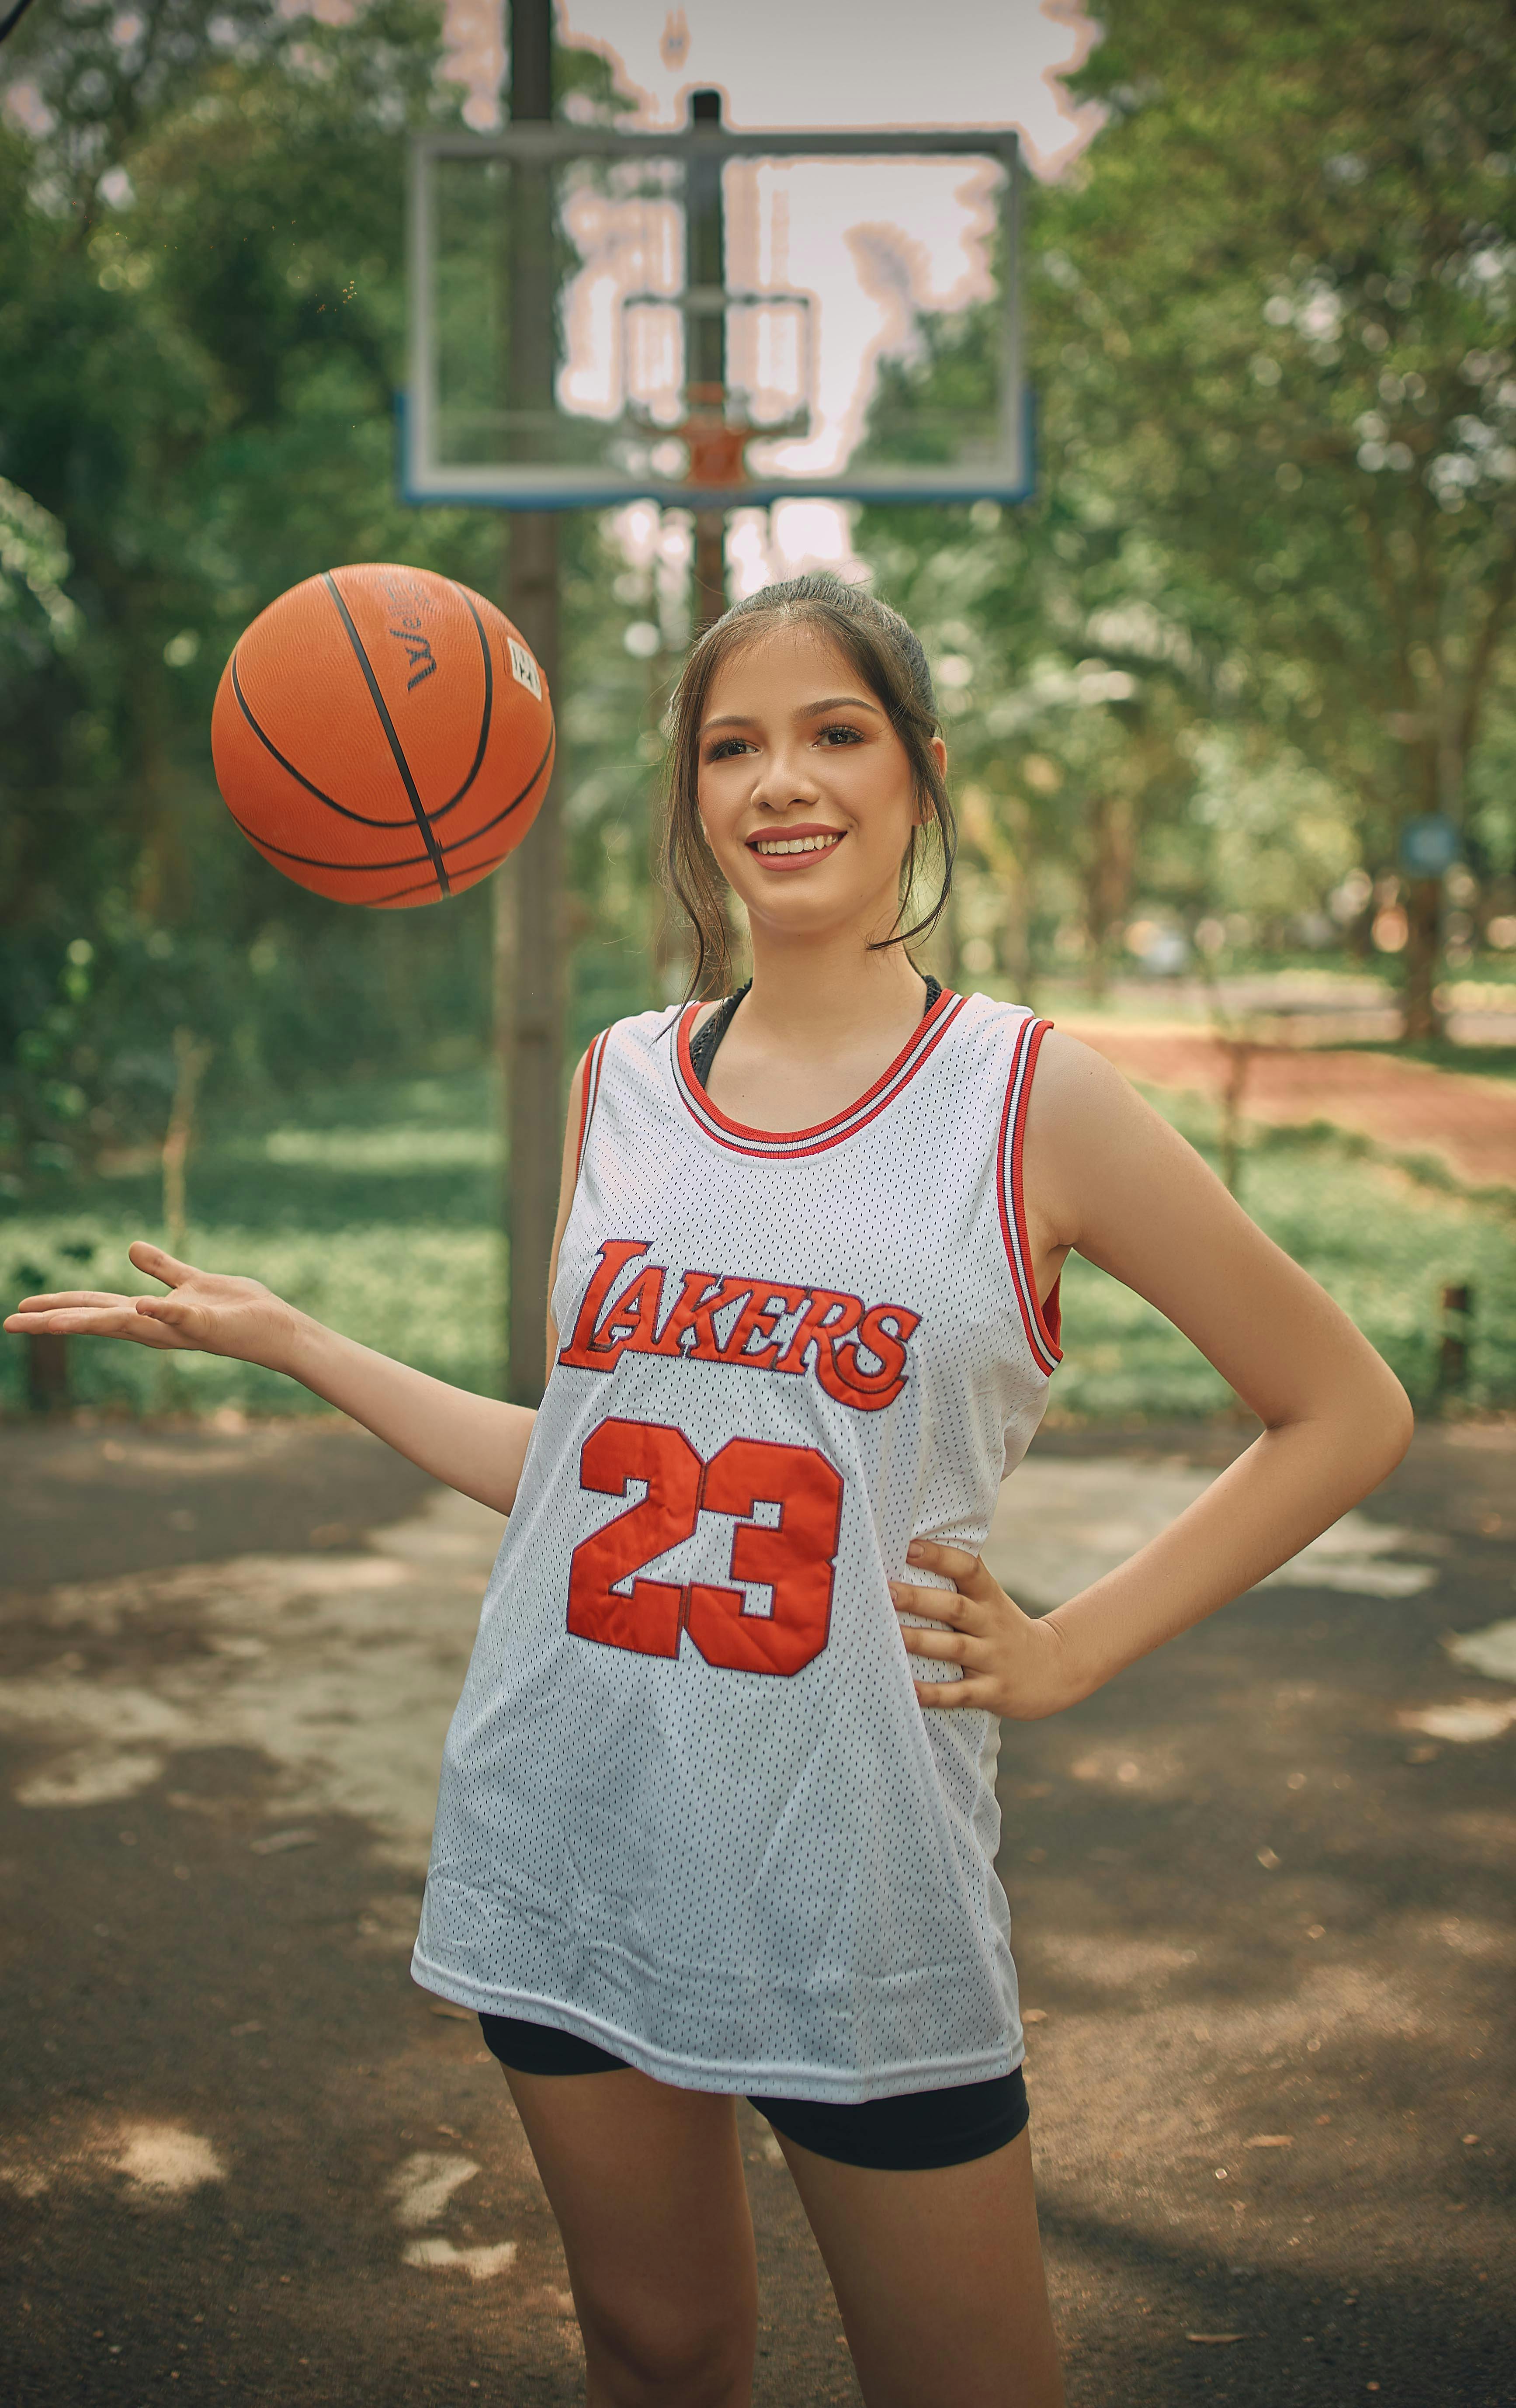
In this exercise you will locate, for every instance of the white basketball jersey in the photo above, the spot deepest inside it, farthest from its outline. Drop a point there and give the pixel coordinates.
(691, 1807)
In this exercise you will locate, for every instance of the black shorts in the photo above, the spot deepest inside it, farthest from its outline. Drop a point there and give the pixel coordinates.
(904, 2135)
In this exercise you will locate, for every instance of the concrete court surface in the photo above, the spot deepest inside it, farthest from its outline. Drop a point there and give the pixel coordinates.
(1262, 1914)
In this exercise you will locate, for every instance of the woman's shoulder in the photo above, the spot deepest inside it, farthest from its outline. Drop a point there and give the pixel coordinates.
(1073, 1071)
(1086, 1124)
(1049, 1078)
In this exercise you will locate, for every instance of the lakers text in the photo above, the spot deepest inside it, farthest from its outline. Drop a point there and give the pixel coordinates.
(859, 1351)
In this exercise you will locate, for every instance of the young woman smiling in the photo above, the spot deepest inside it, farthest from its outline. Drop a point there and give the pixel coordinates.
(718, 1810)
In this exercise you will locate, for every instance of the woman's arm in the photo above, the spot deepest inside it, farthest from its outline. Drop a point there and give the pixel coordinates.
(1107, 1176)
(474, 1443)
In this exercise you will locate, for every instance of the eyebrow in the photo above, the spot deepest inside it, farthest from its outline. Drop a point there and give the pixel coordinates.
(811, 711)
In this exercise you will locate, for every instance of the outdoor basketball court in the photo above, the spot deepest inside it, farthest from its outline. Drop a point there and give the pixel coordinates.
(1261, 1917)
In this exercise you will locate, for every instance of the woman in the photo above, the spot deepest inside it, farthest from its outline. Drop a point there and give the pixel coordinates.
(718, 1811)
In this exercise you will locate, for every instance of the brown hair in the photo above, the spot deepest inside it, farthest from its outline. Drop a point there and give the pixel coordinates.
(887, 656)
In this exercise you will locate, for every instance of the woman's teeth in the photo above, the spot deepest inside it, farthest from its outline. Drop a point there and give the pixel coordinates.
(795, 843)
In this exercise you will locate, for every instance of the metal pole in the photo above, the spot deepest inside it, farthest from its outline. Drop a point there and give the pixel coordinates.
(705, 279)
(710, 568)
(530, 956)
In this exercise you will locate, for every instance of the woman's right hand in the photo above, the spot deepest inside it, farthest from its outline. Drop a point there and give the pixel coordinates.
(204, 1313)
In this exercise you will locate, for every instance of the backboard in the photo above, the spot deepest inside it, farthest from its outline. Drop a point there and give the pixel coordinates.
(711, 319)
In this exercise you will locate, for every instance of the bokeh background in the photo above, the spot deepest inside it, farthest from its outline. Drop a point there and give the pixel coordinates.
(1257, 620)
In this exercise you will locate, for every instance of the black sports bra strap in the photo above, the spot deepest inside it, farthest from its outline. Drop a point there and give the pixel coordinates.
(708, 1035)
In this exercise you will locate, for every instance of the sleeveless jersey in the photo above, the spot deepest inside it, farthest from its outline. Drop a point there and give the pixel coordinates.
(691, 1807)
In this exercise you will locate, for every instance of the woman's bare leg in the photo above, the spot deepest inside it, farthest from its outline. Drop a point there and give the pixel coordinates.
(645, 2183)
(939, 2279)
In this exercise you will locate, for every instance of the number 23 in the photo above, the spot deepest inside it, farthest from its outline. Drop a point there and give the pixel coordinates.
(796, 1557)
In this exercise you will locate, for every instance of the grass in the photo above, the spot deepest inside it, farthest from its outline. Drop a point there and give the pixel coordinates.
(377, 1207)
(376, 1210)
(1379, 1238)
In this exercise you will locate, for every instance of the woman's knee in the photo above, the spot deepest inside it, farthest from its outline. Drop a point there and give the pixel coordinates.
(647, 2352)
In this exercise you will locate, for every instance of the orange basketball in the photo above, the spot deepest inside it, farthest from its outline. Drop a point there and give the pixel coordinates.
(383, 735)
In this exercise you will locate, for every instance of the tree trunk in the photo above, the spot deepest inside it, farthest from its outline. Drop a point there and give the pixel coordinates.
(1110, 840)
(1420, 1016)
(1019, 873)
(1239, 1053)
(1016, 937)
(190, 1061)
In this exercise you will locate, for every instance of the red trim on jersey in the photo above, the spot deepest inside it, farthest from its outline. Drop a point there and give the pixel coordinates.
(593, 1061)
(792, 1144)
(1042, 1324)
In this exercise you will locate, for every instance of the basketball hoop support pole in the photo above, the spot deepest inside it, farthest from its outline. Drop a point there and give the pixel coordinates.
(710, 568)
(530, 969)
(705, 235)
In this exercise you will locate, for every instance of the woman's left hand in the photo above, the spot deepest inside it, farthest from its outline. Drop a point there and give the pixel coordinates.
(1010, 1664)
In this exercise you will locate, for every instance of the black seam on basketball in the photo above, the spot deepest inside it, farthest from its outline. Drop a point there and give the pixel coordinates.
(474, 871)
(270, 747)
(410, 860)
(485, 825)
(485, 716)
(425, 886)
(309, 861)
(388, 725)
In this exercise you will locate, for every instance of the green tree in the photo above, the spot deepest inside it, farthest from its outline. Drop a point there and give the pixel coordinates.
(201, 332)
(1282, 280)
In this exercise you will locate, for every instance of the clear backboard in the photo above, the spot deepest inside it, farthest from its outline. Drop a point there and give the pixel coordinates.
(711, 319)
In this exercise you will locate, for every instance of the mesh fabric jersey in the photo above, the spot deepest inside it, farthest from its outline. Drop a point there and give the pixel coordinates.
(691, 1807)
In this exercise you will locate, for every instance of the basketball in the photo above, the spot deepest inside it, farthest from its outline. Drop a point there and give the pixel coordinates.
(383, 735)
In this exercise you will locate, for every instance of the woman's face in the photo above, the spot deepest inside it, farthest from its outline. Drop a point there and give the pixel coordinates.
(805, 789)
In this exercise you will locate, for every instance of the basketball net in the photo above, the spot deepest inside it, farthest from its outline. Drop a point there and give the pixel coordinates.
(716, 445)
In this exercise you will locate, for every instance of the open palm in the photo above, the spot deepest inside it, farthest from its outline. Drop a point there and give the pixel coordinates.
(204, 1311)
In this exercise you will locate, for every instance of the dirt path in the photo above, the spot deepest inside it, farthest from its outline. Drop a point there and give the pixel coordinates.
(1407, 1107)
(1262, 1920)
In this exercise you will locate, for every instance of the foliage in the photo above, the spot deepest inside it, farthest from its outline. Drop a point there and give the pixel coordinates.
(200, 327)
(378, 1215)
(1274, 549)
(1284, 279)
(36, 617)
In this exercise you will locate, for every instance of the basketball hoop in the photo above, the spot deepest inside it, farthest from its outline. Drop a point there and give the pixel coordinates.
(717, 446)
(698, 279)
(721, 414)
